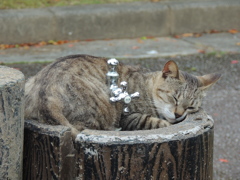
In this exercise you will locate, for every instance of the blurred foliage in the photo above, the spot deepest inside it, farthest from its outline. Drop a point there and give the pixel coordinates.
(20, 4)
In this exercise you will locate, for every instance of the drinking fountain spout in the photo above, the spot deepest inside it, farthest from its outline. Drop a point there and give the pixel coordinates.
(118, 93)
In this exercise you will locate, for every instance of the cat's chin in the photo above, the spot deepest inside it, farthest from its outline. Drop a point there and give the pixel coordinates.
(181, 118)
(176, 120)
(172, 121)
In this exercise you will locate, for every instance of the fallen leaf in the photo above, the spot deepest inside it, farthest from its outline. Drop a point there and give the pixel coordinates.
(2, 46)
(135, 47)
(150, 37)
(238, 44)
(144, 38)
(139, 41)
(197, 35)
(26, 47)
(187, 35)
(234, 61)
(214, 31)
(52, 42)
(61, 42)
(42, 43)
(70, 45)
(193, 69)
(39, 44)
(201, 51)
(223, 160)
(233, 31)
(177, 36)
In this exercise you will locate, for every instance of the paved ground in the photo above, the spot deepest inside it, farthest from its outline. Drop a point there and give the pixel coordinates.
(138, 48)
(222, 54)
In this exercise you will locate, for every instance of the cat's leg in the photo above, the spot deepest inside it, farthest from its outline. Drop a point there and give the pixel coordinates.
(63, 121)
(55, 114)
(138, 121)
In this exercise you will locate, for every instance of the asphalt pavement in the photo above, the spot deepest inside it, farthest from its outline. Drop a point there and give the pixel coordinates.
(218, 52)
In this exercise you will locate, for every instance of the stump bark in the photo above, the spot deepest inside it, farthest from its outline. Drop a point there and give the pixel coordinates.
(48, 152)
(180, 152)
(11, 123)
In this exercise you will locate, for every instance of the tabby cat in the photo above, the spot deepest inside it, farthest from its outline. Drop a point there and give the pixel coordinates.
(73, 92)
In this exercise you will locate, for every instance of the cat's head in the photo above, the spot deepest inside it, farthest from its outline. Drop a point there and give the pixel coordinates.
(177, 93)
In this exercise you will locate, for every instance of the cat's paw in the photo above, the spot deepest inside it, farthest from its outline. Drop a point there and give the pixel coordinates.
(74, 133)
(165, 123)
(159, 123)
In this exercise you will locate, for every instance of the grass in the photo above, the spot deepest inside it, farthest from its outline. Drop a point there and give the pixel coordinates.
(21, 4)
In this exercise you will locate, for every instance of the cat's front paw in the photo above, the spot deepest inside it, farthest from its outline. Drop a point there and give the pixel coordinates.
(159, 123)
(165, 123)
(74, 133)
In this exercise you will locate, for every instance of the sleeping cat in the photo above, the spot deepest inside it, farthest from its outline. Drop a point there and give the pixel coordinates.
(72, 91)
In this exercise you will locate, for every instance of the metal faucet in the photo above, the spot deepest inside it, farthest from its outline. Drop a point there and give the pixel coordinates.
(118, 93)
(112, 75)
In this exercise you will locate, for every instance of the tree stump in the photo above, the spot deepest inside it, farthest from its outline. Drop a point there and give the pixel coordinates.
(11, 123)
(48, 152)
(182, 151)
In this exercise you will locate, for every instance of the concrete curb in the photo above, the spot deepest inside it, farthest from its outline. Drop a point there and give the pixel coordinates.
(127, 20)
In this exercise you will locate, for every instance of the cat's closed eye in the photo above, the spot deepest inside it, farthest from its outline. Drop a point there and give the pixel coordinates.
(192, 109)
(175, 99)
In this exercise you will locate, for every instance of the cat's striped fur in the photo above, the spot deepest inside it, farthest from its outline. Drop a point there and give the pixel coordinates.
(72, 91)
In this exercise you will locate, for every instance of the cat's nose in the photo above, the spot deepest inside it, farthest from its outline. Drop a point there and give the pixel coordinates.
(177, 115)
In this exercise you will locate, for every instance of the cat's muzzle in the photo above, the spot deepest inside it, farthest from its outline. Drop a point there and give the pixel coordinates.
(181, 118)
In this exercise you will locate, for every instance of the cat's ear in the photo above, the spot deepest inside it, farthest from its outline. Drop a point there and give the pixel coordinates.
(170, 70)
(208, 80)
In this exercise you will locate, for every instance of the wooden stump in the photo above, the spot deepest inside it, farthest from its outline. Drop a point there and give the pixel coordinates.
(11, 123)
(183, 152)
(48, 152)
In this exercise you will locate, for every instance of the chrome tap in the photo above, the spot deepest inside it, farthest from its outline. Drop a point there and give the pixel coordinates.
(112, 75)
(118, 93)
